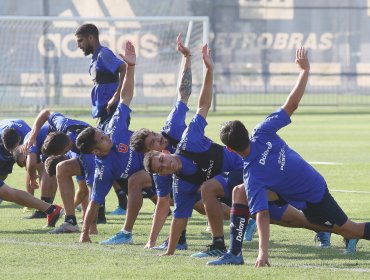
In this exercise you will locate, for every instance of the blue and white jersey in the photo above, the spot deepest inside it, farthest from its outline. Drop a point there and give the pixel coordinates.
(122, 161)
(174, 128)
(103, 60)
(273, 165)
(60, 123)
(22, 129)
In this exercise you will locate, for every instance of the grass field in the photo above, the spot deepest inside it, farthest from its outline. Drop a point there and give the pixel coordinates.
(28, 252)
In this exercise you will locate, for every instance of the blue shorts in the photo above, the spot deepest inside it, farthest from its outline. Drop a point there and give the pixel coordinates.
(229, 180)
(87, 164)
(327, 212)
(6, 167)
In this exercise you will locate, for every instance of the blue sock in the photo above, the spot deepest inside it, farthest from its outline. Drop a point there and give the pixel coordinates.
(239, 215)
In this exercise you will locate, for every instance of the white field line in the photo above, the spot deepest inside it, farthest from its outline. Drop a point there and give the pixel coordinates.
(325, 163)
(122, 249)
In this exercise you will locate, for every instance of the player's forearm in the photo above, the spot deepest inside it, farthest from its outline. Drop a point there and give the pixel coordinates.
(186, 83)
(127, 91)
(160, 215)
(205, 96)
(40, 120)
(177, 226)
(263, 225)
(90, 217)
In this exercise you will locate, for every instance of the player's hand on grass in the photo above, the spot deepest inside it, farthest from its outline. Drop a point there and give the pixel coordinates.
(261, 261)
(149, 245)
(301, 58)
(130, 56)
(207, 56)
(181, 48)
(84, 238)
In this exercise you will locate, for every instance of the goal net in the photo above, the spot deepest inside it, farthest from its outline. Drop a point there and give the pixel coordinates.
(42, 66)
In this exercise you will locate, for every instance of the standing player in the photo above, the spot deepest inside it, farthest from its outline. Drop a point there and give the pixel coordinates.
(107, 72)
(270, 164)
(115, 160)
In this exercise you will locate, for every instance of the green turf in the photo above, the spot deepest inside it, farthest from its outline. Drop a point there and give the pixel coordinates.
(27, 252)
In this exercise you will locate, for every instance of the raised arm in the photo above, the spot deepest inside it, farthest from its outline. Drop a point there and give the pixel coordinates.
(41, 118)
(115, 97)
(205, 96)
(186, 78)
(295, 96)
(127, 91)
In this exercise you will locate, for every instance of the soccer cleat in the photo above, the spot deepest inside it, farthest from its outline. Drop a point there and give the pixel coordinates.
(228, 258)
(54, 216)
(211, 251)
(36, 215)
(323, 237)
(250, 230)
(164, 246)
(78, 208)
(101, 220)
(351, 246)
(65, 228)
(118, 211)
(119, 238)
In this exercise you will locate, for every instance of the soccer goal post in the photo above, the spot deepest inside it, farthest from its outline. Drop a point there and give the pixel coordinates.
(42, 66)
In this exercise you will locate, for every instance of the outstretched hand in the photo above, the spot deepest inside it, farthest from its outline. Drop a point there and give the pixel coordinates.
(130, 56)
(207, 56)
(181, 48)
(301, 58)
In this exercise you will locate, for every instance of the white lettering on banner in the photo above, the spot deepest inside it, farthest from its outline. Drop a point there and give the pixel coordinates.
(56, 45)
(278, 41)
(262, 160)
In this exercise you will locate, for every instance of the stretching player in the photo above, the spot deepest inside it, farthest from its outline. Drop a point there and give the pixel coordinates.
(270, 164)
(115, 160)
(198, 160)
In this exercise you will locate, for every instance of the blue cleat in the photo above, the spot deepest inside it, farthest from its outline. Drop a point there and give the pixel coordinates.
(164, 246)
(211, 251)
(350, 246)
(250, 230)
(323, 237)
(119, 238)
(118, 211)
(228, 258)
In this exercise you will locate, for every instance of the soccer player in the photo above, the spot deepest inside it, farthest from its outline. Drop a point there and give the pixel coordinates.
(53, 212)
(270, 164)
(198, 160)
(60, 140)
(145, 140)
(33, 160)
(115, 160)
(107, 72)
(12, 133)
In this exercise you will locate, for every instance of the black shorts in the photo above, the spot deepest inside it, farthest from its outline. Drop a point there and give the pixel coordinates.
(1, 183)
(6, 167)
(148, 192)
(327, 212)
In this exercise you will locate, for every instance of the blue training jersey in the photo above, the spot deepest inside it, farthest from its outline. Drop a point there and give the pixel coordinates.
(103, 60)
(40, 138)
(174, 127)
(122, 161)
(22, 129)
(273, 165)
(60, 123)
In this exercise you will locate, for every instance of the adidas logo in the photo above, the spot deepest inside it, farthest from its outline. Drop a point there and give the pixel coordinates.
(328, 223)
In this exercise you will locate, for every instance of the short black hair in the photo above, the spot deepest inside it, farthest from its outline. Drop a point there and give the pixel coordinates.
(52, 162)
(138, 138)
(234, 135)
(86, 140)
(87, 29)
(55, 144)
(10, 138)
